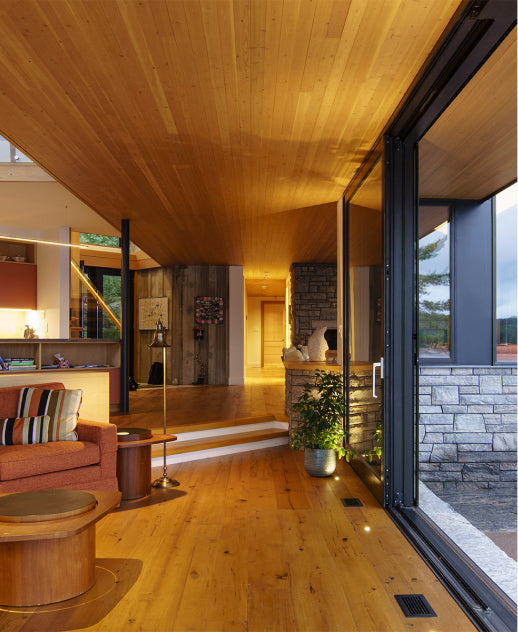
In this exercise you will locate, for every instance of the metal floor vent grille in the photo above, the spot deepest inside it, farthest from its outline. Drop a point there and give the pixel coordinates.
(351, 502)
(415, 606)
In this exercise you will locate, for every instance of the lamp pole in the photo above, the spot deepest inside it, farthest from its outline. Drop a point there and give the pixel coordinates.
(160, 341)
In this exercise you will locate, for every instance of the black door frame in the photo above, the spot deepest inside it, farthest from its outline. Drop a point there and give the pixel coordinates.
(475, 32)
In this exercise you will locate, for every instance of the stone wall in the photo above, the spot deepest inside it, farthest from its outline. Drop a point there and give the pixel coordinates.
(467, 427)
(313, 299)
(364, 412)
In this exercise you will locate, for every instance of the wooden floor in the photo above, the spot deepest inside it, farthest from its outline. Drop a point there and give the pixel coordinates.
(262, 394)
(249, 542)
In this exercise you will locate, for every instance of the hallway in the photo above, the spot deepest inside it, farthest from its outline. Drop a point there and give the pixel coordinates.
(261, 395)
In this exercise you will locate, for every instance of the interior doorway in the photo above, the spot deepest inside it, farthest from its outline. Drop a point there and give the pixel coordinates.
(273, 320)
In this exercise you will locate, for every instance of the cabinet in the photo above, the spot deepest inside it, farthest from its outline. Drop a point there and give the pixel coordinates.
(18, 283)
(84, 355)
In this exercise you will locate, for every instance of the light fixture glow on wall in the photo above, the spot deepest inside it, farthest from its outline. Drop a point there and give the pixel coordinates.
(41, 241)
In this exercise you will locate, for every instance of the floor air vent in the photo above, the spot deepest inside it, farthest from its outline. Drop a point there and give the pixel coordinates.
(415, 606)
(351, 502)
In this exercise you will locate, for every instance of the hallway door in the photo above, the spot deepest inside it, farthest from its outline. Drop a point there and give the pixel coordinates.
(273, 328)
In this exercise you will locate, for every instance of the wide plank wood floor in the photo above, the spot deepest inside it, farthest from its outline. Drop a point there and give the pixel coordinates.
(249, 542)
(262, 394)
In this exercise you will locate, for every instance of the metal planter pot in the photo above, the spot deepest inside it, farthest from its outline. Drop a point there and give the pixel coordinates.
(319, 462)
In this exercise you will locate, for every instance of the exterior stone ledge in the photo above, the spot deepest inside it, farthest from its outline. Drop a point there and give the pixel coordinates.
(434, 370)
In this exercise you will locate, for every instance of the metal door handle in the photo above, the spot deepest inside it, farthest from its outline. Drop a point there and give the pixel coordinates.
(382, 375)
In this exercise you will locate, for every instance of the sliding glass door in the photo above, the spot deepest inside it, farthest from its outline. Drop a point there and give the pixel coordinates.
(365, 307)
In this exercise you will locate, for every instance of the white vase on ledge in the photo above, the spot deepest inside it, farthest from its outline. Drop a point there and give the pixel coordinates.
(317, 345)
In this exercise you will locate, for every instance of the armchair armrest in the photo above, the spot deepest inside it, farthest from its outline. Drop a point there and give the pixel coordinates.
(105, 435)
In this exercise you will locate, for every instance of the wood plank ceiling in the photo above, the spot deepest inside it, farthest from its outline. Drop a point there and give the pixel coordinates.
(224, 130)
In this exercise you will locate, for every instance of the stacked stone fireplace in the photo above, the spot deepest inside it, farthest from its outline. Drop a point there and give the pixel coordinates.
(313, 299)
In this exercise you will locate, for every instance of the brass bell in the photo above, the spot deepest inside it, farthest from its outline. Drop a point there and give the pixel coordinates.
(159, 335)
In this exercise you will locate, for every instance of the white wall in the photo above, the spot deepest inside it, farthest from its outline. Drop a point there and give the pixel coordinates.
(236, 325)
(54, 282)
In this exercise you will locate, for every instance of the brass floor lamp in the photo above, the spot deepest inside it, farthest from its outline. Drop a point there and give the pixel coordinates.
(159, 341)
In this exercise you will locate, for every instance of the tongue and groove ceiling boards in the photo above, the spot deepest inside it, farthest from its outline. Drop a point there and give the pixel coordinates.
(224, 130)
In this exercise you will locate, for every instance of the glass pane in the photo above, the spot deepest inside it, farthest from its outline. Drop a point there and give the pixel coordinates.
(19, 157)
(5, 150)
(434, 282)
(365, 320)
(100, 240)
(467, 413)
(112, 295)
(506, 265)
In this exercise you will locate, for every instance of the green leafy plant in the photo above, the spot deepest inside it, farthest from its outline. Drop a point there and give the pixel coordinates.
(321, 407)
(377, 450)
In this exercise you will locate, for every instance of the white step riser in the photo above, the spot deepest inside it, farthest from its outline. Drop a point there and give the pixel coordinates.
(222, 451)
(218, 432)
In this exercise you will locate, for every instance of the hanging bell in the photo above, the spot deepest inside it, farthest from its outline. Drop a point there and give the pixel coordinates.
(159, 335)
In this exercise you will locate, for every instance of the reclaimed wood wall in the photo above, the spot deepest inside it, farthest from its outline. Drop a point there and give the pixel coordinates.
(182, 284)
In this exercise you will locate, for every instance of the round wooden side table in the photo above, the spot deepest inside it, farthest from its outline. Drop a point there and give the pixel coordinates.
(134, 460)
(47, 544)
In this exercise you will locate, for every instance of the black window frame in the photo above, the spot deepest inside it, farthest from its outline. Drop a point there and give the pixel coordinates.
(474, 34)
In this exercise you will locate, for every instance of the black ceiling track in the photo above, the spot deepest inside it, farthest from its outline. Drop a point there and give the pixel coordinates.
(415, 606)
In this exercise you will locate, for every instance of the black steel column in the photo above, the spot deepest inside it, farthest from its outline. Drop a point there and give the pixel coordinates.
(125, 316)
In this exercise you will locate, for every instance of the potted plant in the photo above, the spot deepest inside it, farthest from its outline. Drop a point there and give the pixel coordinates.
(320, 432)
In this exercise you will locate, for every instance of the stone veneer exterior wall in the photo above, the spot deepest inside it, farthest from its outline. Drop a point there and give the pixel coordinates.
(467, 427)
(313, 299)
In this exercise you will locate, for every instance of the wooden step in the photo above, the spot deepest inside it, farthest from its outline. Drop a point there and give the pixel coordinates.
(210, 443)
(211, 425)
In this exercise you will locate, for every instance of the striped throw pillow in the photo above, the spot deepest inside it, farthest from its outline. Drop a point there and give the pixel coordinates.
(61, 405)
(25, 430)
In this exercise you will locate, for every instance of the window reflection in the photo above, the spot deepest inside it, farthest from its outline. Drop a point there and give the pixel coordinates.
(506, 263)
(434, 282)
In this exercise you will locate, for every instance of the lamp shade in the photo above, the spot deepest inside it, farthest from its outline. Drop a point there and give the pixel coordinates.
(159, 336)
